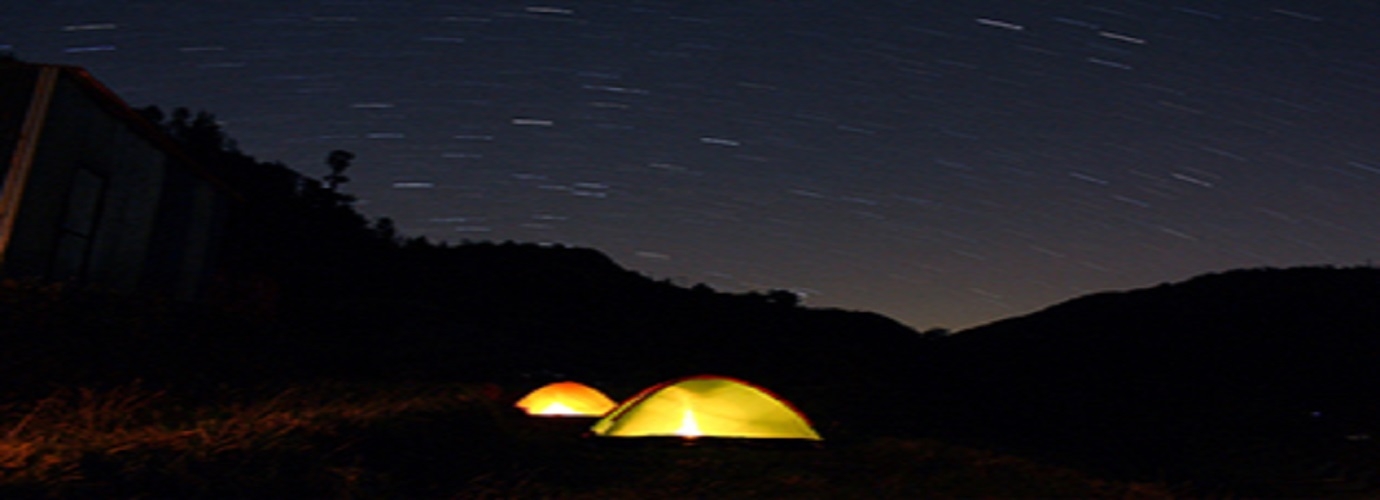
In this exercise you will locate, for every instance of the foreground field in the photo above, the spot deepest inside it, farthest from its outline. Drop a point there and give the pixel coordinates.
(455, 441)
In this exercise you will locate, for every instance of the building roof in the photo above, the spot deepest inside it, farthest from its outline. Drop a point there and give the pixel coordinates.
(113, 104)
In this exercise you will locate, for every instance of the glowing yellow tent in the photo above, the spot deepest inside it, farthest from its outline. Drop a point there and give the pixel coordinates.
(567, 399)
(708, 406)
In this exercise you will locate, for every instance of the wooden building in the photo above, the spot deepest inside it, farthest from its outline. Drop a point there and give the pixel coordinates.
(93, 193)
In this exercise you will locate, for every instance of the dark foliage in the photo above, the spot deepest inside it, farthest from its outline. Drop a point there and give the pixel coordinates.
(287, 230)
(326, 293)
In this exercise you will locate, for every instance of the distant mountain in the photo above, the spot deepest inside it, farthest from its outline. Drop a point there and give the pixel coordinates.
(1260, 359)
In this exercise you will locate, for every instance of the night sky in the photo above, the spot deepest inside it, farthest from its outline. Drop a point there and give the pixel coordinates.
(946, 163)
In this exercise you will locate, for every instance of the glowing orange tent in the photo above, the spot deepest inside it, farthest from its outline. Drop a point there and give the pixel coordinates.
(568, 399)
(708, 406)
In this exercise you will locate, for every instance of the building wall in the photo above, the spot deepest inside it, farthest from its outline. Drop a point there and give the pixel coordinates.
(106, 205)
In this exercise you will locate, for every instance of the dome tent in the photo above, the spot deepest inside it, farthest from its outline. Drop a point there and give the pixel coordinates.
(566, 399)
(706, 406)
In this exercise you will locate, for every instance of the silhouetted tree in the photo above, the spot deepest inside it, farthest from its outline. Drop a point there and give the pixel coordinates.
(338, 161)
(385, 230)
(785, 298)
(296, 231)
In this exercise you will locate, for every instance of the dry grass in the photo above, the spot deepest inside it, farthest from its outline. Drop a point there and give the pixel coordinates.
(457, 442)
(80, 441)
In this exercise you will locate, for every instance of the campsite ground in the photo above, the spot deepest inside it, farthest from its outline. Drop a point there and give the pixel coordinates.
(458, 441)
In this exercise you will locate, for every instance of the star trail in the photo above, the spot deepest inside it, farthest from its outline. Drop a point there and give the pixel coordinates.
(943, 163)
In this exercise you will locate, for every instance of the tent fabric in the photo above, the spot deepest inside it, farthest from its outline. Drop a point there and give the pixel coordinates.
(706, 406)
(570, 399)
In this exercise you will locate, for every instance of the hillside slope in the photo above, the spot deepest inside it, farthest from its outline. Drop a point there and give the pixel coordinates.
(1199, 376)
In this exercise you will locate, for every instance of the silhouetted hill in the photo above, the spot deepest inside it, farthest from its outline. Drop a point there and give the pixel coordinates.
(496, 311)
(317, 290)
(470, 312)
(1190, 375)
(297, 254)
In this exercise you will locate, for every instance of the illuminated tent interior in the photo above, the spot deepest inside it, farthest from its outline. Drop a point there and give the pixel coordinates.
(566, 399)
(706, 406)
